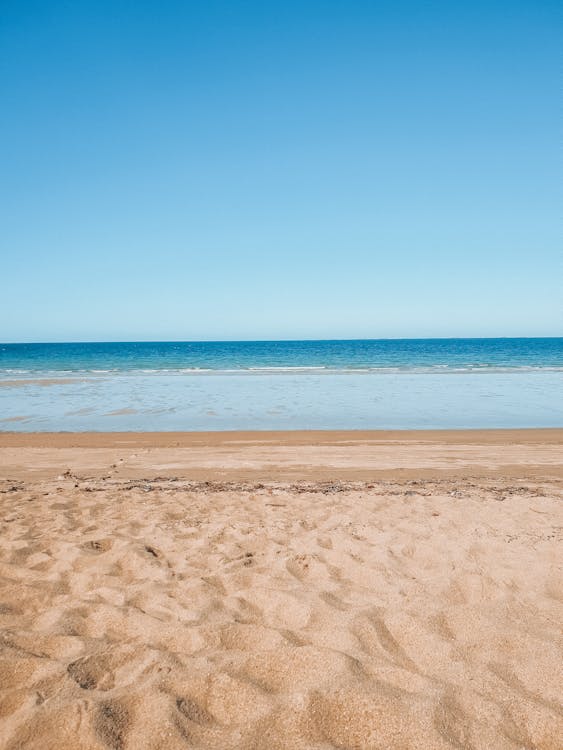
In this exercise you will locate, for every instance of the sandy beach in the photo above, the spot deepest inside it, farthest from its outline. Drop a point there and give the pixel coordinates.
(281, 590)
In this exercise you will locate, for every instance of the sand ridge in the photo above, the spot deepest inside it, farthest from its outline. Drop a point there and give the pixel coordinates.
(170, 611)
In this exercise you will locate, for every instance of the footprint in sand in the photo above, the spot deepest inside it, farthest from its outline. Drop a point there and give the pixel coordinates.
(333, 601)
(98, 545)
(92, 673)
(111, 723)
(194, 712)
(375, 637)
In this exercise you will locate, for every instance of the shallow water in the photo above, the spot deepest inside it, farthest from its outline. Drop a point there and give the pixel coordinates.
(304, 400)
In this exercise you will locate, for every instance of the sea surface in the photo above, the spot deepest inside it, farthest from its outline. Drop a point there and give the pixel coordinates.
(359, 384)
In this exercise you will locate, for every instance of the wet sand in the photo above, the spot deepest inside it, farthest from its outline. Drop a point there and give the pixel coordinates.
(281, 590)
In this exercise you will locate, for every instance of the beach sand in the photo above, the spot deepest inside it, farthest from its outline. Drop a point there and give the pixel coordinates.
(281, 590)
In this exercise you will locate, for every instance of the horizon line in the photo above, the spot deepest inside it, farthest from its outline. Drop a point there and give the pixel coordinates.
(272, 341)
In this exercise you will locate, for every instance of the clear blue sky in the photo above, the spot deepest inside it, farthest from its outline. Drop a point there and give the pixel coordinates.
(296, 169)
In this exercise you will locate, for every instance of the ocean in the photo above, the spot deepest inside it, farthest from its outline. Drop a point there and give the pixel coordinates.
(263, 385)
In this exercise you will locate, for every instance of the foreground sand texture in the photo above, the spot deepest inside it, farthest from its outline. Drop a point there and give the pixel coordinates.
(367, 590)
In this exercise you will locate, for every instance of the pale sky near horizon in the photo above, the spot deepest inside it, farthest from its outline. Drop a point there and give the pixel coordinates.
(239, 170)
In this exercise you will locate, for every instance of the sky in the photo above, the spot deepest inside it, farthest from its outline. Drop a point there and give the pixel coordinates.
(274, 170)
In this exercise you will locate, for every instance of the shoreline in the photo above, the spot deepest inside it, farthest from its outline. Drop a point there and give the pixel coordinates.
(351, 455)
(479, 434)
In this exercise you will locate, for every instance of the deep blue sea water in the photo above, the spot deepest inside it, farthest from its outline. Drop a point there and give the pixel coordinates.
(432, 383)
(460, 355)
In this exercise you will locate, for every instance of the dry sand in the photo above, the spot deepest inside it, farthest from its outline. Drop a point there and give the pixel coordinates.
(291, 590)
